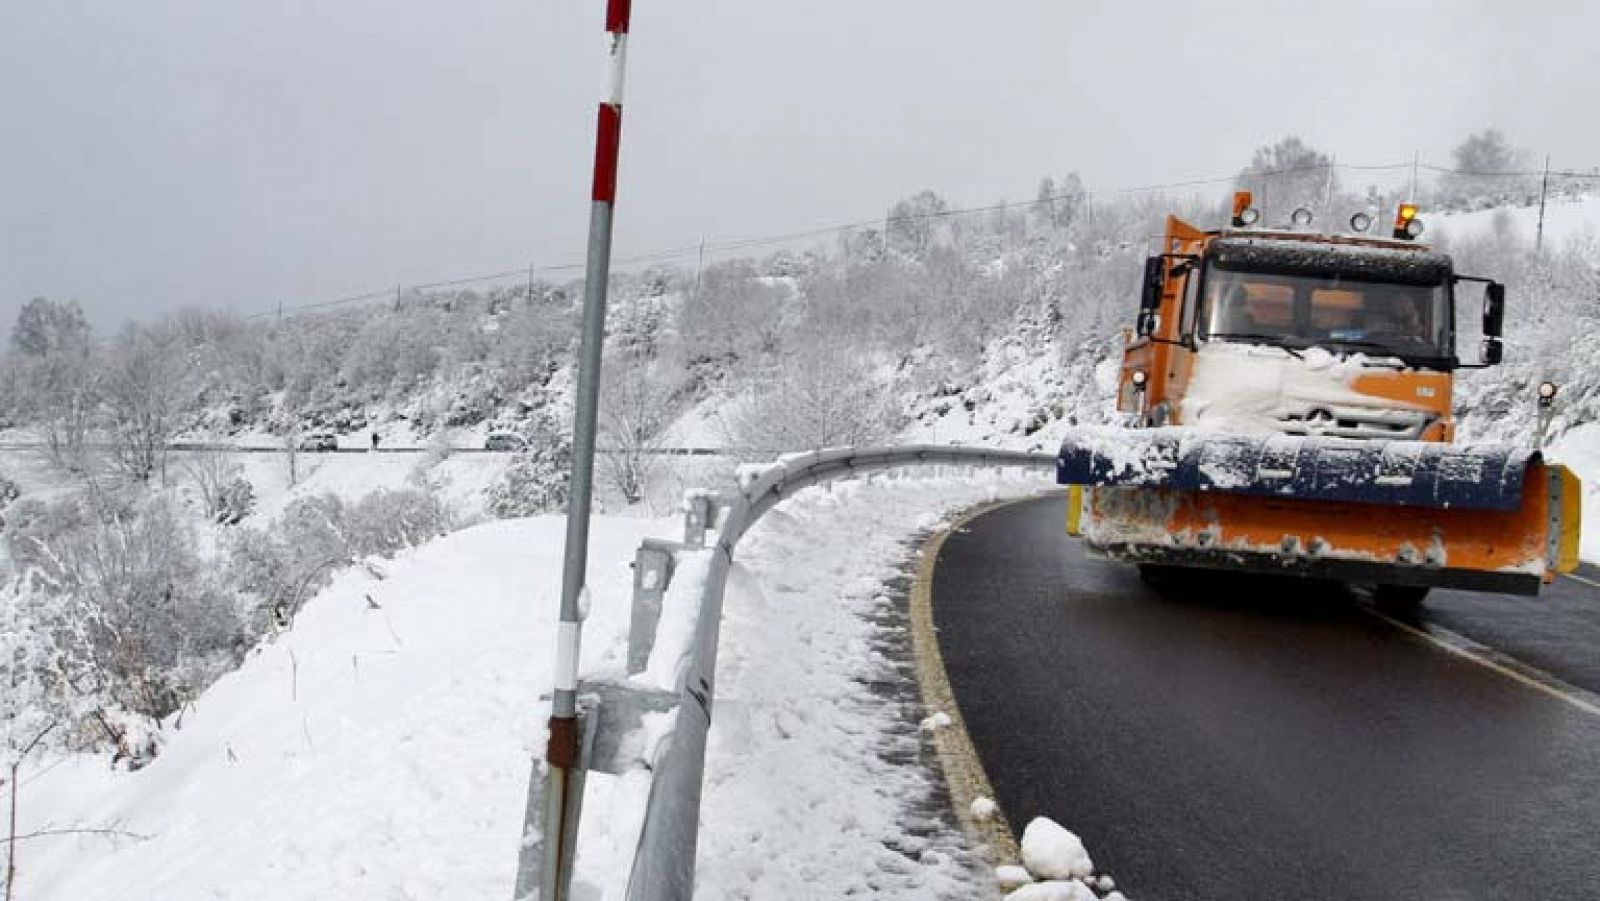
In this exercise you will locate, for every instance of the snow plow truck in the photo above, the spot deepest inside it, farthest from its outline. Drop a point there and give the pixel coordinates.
(1286, 395)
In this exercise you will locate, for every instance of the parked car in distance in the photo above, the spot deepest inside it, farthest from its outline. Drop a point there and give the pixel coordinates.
(319, 441)
(505, 441)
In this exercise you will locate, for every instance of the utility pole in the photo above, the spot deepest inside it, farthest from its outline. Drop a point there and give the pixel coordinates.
(1416, 163)
(699, 265)
(530, 284)
(564, 780)
(1544, 187)
(1327, 193)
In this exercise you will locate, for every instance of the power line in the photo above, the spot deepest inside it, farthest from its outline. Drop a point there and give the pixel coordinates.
(1486, 173)
(747, 243)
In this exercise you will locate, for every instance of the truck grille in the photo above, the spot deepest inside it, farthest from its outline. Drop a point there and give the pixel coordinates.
(1382, 425)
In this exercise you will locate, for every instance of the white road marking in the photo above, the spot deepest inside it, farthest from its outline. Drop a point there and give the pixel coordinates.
(1466, 648)
(1584, 579)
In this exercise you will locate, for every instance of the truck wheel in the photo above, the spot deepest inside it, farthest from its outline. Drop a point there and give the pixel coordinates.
(1401, 599)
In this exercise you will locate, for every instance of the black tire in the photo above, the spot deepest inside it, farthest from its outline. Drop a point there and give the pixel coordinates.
(1405, 599)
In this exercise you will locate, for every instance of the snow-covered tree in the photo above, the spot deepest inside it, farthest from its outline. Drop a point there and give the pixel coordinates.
(1484, 171)
(914, 221)
(56, 378)
(1287, 175)
(638, 402)
(149, 389)
(824, 394)
(1057, 203)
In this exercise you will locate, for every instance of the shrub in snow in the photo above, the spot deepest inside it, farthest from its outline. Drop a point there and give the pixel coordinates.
(534, 483)
(24, 666)
(384, 522)
(225, 495)
(284, 564)
(34, 530)
(8, 493)
(235, 501)
(134, 619)
(1051, 852)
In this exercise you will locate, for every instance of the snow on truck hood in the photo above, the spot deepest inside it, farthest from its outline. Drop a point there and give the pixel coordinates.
(1253, 388)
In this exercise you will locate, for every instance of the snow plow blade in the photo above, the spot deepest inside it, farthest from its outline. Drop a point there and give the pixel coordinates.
(1488, 518)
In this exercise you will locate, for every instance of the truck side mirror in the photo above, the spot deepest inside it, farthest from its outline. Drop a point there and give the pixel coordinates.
(1150, 299)
(1494, 311)
(1492, 351)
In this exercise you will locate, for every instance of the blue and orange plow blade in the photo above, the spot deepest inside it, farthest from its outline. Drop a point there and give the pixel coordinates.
(1400, 512)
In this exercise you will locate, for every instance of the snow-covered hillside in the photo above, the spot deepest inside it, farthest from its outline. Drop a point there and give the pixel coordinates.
(1573, 219)
(380, 747)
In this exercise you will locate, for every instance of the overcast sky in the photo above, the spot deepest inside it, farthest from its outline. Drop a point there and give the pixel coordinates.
(239, 153)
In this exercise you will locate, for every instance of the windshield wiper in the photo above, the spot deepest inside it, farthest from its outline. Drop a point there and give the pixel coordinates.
(1269, 340)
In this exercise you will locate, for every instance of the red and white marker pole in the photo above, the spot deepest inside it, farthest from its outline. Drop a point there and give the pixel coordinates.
(564, 784)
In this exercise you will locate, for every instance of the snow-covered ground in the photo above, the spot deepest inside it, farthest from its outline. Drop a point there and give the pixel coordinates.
(461, 480)
(380, 748)
(1566, 220)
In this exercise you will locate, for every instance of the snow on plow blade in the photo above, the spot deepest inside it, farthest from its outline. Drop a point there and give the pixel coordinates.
(1490, 518)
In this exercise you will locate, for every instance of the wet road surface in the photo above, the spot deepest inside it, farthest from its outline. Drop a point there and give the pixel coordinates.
(1234, 737)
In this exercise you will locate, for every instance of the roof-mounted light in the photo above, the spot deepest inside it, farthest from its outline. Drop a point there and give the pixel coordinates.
(1244, 215)
(1406, 224)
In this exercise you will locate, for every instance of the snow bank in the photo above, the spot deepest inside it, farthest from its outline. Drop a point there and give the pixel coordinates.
(816, 704)
(1566, 220)
(379, 750)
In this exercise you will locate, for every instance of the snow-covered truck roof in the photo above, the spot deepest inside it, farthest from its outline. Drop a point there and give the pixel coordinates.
(1298, 256)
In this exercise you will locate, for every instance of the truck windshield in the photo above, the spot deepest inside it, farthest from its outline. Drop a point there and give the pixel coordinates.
(1408, 321)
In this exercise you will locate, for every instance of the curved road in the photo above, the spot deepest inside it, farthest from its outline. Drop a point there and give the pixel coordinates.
(1232, 737)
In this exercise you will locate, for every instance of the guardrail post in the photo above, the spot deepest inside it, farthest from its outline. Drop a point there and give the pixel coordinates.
(652, 570)
(535, 859)
(696, 520)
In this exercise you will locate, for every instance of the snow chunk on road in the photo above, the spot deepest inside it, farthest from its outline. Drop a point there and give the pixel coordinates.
(1055, 890)
(1051, 852)
(1012, 876)
(984, 808)
(937, 721)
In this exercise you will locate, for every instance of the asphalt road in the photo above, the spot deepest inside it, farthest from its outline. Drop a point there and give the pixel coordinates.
(1241, 738)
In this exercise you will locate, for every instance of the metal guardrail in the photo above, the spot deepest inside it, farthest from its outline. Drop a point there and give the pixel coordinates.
(664, 862)
(359, 449)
